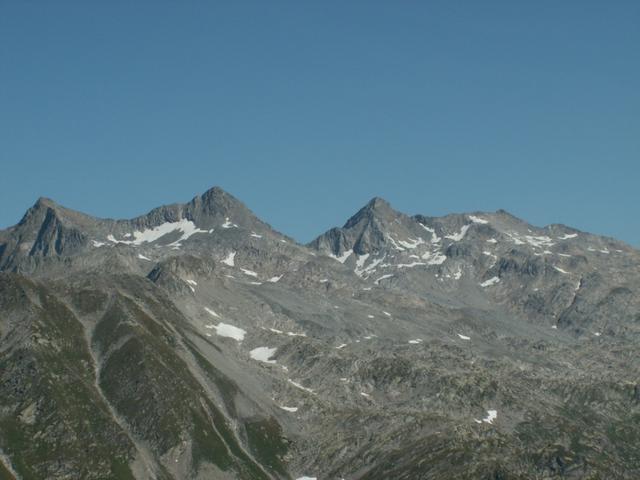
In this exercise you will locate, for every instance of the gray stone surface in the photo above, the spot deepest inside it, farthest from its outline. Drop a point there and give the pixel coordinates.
(197, 342)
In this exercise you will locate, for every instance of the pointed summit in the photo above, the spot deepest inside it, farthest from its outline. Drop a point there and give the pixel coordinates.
(377, 208)
(216, 206)
(364, 232)
(38, 210)
(216, 200)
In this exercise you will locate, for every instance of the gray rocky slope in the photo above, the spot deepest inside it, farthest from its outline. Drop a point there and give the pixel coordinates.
(197, 342)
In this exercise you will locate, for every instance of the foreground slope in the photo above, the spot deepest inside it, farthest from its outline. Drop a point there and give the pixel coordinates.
(197, 342)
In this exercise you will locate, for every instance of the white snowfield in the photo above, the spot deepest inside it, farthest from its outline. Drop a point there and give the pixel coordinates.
(410, 265)
(456, 237)
(300, 386)
(475, 219)
(187, 227)
(463, 337)
(567, 236)
(227, 224)
(561, 270)
(540, 241)
(263, 354)
(360, 271)
(142, 257)
(434, 258)
(211, 312)
(361, 261)
(434, 237)
(230, 331)
(289, 409)
(275, 279)
(416, 341)
(383, 277)
(491, 281)
(230, 259)
(306, 478)
(411, 243)
(250, 273)
(394, 243)
(342, 258)
(491, 416)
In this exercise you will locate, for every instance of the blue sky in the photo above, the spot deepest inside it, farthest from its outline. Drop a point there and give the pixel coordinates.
(306, 110)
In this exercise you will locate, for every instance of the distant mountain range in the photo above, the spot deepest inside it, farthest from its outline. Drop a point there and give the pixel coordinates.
(197, 342)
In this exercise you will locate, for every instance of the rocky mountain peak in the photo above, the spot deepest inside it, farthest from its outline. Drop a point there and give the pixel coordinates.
(376, 209)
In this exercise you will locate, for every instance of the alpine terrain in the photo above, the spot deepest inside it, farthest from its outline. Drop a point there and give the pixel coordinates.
(196, 342)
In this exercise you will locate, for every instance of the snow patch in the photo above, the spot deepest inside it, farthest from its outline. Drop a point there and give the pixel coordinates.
(230, 259)
(411, 243)
(275, 279)
(289, 409)
(361, 261)
(142, 257)
(463, 337)
(231, 331)
(263, 354)
(456, 237)
(515, 238)
(541, 241)
(342, 258)
(491, 281)
(410, 265)
(434, 258)
(475, 219)
(301, 387)
(491, 416)
(383, 277)
(227, 224)
(250, 273)
(434, 237)
(187, 227)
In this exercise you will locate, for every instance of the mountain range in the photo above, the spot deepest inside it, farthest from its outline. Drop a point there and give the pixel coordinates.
(196, 342)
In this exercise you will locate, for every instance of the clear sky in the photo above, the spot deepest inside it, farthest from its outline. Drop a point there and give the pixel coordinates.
(306, 110)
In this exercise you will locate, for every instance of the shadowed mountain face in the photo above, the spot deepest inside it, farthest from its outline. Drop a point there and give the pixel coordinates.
(197, 342)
